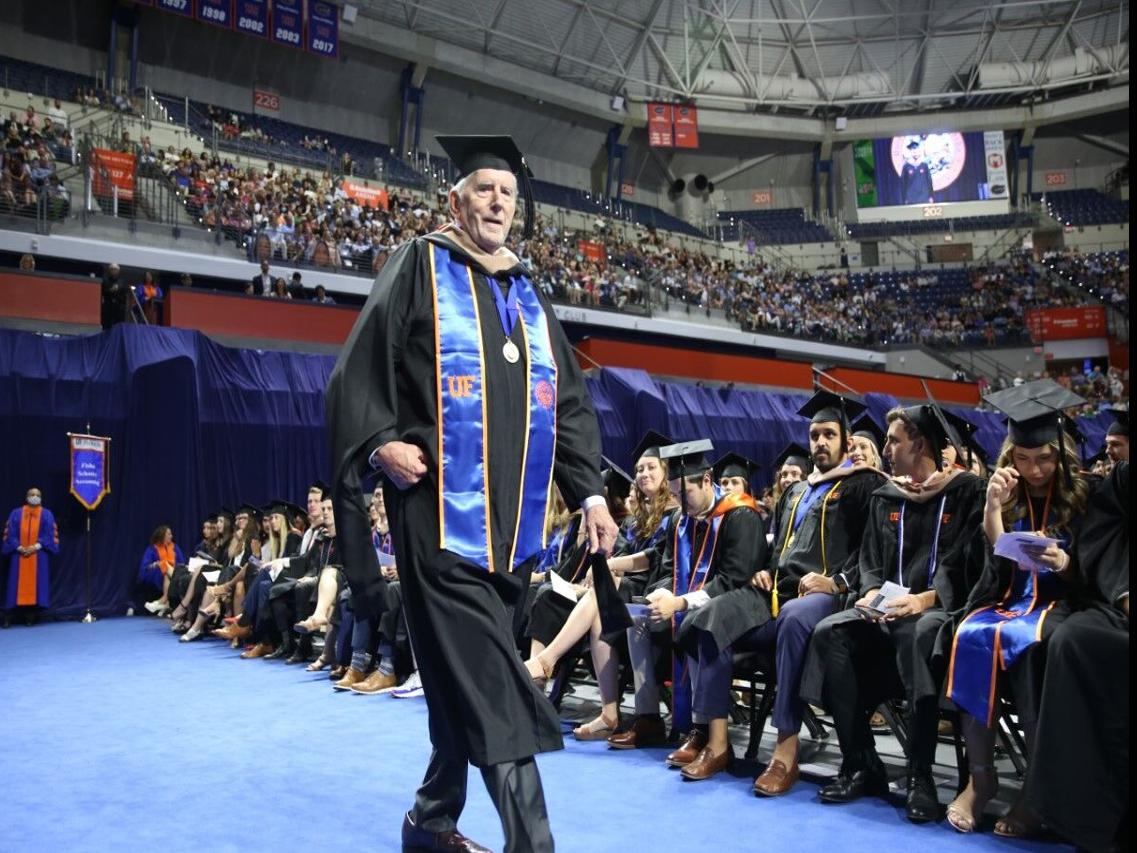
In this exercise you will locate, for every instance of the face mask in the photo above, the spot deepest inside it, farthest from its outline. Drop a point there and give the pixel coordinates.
(34, 501)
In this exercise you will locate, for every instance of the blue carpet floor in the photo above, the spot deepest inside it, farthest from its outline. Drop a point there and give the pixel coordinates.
(116, 737)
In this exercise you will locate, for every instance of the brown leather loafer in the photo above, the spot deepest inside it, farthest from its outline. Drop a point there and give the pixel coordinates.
(417, 840)
(707, 765)
(376, 683)
(644, 731)
(351, 678)
(776, 779)
(258, 651)
(690, 749)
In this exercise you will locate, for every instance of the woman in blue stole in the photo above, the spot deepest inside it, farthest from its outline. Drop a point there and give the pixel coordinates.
(1001, 641)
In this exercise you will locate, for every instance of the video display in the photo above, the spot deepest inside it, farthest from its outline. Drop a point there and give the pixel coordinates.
(930, 168)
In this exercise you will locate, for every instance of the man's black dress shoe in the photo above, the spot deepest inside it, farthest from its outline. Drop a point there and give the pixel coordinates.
(417, 840)
(922, 805)
(279, 652)
(852, 786)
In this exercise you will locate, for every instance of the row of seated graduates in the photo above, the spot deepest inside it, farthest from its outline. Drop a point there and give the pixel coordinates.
(806, 619)
(275, 588)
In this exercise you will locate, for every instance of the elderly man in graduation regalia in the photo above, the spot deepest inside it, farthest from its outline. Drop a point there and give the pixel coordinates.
(459, 384)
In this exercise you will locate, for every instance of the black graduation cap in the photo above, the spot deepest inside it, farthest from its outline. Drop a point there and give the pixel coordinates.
(286, 508)
(1120, 425)
(930, 421)
(1034, 415)
(225, 513)
(794, 454)
(687, 458)
(735, 465)
(649, 445)
(251, 511)
(470, 153)
(827, 406)
(965, 433)
(915, 143)
(617, 481)
(866, 427)
(325, 489)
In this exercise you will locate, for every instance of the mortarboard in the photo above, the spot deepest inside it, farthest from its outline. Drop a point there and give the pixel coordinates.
(827, 406)
(470, 153)
(1120, 425)
(687, 458)
(930, 421)
(794, 454)
(225, 513)
(617, 481)
(866, 427)
(649, 446)
(735, 465)
(965, 435)
(1034, 415)
(324, 488)
(251, 511)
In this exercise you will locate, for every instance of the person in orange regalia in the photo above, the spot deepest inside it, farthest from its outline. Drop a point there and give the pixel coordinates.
(29, 532)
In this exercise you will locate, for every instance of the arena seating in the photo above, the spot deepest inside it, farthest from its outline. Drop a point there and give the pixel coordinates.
(1084, 207)
(780, 226)
(883, 230)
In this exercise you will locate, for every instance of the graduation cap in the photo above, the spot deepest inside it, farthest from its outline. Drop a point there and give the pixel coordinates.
(617, 481)
(286, 508)
(735, 465)
(251, 511)
(687, 457)
(649, 446)
(1120, 425)
(794, 454)
(930, 421)
(866, 427)
(225, 513)
(1034, 415)
(470, 153)
(324, 489)
(825, 406)
(965, 434)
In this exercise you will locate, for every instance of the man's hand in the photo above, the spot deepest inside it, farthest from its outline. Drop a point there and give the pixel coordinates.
(763, 580)
(389, 573)
(602, 530)
(663, 605)
(403, 463)
(866, 599)
(814, 582)
(905, 605)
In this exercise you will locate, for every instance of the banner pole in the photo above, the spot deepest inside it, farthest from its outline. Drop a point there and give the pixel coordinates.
(90, 617)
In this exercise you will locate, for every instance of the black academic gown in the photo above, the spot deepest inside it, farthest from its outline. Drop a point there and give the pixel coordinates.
(1078, 780)
(483, 704)
(913, 641)
(846, 503)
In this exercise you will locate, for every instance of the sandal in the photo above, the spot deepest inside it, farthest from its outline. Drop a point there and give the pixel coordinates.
(967, 820)
(598, 729)
(318, 665)
(1011, 825)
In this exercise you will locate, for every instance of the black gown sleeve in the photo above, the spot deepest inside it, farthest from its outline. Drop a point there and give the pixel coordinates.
(961, 564)
(741, 551)
(870, 562)
(1103, 546)
(855, 518)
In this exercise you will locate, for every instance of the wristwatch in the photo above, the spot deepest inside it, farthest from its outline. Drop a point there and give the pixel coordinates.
(841, 584)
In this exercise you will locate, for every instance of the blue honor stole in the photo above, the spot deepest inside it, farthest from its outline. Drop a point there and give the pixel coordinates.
(993, 637)
(464, 497)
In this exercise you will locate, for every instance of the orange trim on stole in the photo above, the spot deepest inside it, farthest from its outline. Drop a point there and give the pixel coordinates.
(438, 389)
(27, 585)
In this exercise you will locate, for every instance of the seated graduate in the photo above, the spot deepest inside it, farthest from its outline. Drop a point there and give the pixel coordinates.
(256, 615)
(972, 456)
(791, 466)
(717, 544)
(184, 580)
(1117, 436)
(205, 599)
(640, 564)
(865, 445)
(157, 567)
(1000, 644)
(734, 473)
(237, 575)
(920, 556)
(814, 565)
(293, 596)
(1077, 783)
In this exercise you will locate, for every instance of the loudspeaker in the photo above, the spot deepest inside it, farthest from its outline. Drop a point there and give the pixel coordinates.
(700, 182)
(678, 186)
(349, 13)
(710, 186)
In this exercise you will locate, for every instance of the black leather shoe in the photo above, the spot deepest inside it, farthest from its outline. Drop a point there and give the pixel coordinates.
(279, 652)
(417, 840)
(852, 786)
(922, 805)
(298, 656)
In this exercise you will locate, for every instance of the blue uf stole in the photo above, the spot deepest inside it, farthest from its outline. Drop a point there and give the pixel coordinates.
(992, 638)
(464, 495)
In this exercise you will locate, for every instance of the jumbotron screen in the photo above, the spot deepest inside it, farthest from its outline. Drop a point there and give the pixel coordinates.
(919, 169)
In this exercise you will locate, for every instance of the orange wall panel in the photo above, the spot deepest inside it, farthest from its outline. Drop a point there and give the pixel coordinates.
(259, 317)
(905, 386)
(52, 298)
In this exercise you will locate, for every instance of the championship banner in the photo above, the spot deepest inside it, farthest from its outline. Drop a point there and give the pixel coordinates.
(592, 250)
(113, 169)
(360, 192)
(686, 120)
(288, 23)
(216, 12)
(181, 7)
(1057, 324)
(323, 28)
(252, 17)
(659, 134)
(90, 468)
